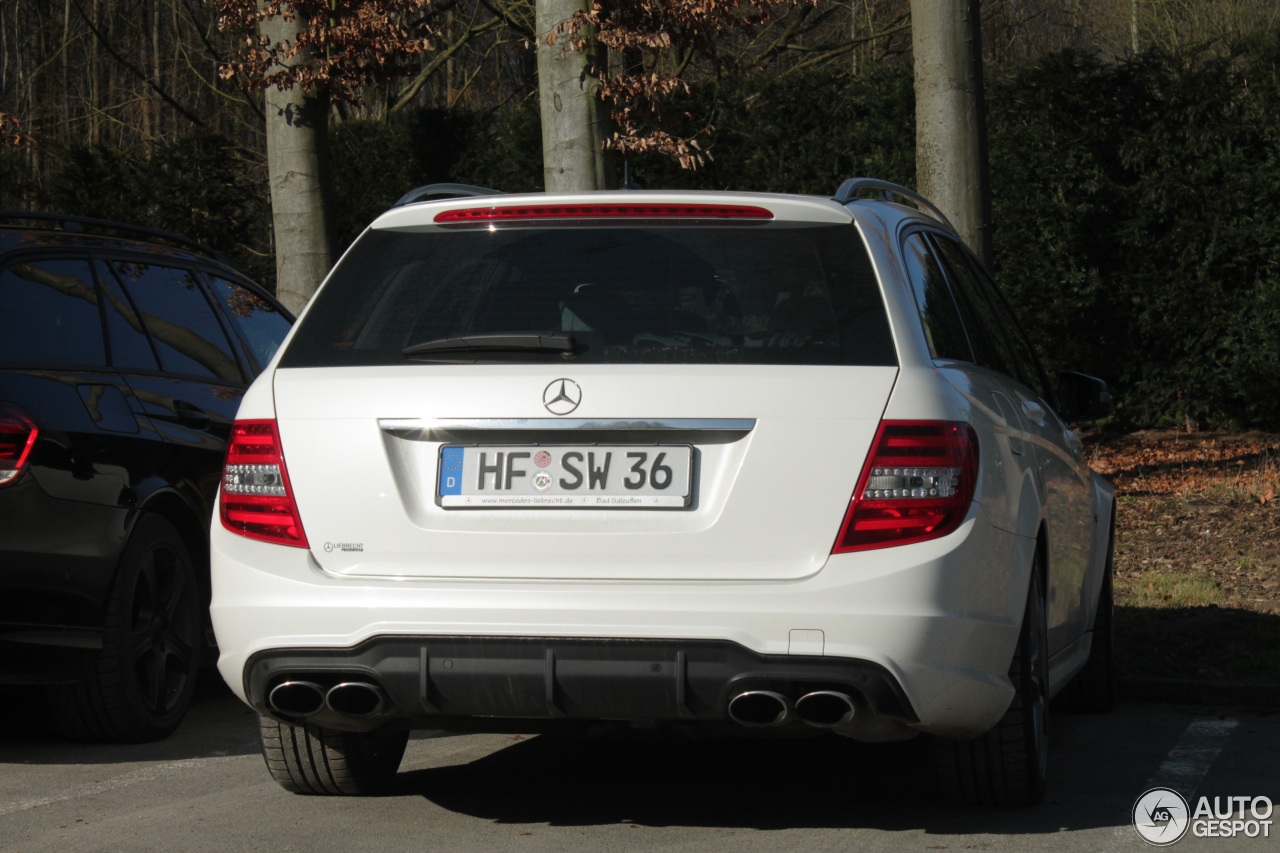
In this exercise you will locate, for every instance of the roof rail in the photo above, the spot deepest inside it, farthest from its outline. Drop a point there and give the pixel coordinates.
(431, 191)
(851, 189)
(71, 224)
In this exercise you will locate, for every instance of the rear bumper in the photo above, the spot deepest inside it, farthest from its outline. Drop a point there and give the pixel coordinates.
(445, 681)
(933, 624)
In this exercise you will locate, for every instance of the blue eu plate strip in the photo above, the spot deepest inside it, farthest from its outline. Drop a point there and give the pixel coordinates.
(451, 471)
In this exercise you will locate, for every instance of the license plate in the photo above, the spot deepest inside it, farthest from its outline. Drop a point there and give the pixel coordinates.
(561, 476)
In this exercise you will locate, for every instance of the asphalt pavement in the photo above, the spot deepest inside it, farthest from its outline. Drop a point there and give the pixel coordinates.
(206, 788)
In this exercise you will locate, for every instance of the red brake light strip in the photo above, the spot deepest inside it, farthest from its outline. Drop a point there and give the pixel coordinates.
(518, 213)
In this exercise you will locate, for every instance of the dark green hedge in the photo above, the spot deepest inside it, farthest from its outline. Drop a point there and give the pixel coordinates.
(802, 133)
(1138, 227)
(200, 186)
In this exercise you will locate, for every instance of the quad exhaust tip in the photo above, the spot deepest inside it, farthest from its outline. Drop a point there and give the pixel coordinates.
(826, 709)
(300, 699)
(356, 699)
(759, 708)
(296, 698)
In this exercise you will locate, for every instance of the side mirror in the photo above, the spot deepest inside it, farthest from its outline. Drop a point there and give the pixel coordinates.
(1083, 397)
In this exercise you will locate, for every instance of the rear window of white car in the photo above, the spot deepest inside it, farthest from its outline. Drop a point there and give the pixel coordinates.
(784, 293)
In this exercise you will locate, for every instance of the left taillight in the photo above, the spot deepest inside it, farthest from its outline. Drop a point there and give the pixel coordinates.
(257, 500)
(917, 485)
(18, 433)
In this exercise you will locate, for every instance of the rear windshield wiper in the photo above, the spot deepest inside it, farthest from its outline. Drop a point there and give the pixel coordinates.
(555, 343)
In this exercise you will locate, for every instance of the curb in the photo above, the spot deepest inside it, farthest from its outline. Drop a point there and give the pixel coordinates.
(1181, 692)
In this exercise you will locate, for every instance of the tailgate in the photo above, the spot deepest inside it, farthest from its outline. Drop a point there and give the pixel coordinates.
(773, 454)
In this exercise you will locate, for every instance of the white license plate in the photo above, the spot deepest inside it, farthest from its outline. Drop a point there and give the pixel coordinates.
(564, 476)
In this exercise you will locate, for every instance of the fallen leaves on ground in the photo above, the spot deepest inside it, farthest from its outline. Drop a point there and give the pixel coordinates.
(1197, 550)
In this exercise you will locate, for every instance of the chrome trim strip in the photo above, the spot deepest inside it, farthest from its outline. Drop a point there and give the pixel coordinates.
(531, 424)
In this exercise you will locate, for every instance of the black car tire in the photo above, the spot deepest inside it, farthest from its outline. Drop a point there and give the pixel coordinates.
(138, 689)
(307, 759)
(1008, 765)
(1093, 690)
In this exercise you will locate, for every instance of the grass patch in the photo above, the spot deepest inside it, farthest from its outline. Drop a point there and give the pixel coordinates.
(1176, 589)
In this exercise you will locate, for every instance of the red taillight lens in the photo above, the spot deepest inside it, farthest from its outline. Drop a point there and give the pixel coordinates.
(17, 436)
(528, 212)
(916, 485)
(257, 500)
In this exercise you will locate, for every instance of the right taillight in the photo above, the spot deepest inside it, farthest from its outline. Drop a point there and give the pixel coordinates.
(256, 498)
(18, 434)
(916, 485)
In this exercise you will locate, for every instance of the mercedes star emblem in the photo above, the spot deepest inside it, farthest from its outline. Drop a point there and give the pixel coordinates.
(561, 396)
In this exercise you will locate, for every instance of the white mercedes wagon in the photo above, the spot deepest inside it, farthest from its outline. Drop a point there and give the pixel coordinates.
(712, 461)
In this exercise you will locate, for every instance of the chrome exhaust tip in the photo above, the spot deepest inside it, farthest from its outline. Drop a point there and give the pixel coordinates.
(826, 709)
(296, 698)
(759, 708)
(356, 699)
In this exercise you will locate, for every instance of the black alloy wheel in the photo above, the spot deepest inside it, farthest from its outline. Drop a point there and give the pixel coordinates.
(141, 684)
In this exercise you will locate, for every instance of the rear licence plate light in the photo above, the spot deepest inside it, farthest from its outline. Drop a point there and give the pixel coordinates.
(916, 485)
(564, 477)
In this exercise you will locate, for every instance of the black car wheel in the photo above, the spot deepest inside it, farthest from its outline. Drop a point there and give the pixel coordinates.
(140, 686)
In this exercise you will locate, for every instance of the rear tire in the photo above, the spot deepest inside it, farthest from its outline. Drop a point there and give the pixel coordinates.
(1008, 765)
(139, 687)
(1093, 690)
(308, 759)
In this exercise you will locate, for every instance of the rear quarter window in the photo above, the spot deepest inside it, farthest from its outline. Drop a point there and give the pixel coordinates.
(177, 316)
(777, 294)
(259, 322)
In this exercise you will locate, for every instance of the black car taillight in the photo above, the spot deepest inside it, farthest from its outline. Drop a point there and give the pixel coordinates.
(916, 485)
(18, 434)
(256, 498)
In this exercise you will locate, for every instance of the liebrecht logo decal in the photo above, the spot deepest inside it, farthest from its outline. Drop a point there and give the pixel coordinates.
(561, 396)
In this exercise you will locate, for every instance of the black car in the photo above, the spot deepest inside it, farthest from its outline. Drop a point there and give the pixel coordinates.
(124, 353)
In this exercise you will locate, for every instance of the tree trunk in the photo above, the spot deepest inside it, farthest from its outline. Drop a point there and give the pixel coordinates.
(573, 156)
(298, 174)
(951, 134)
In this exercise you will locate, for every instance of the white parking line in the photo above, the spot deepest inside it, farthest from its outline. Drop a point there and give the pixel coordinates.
(1189, 760)
(142, 774)
(1182, 769)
